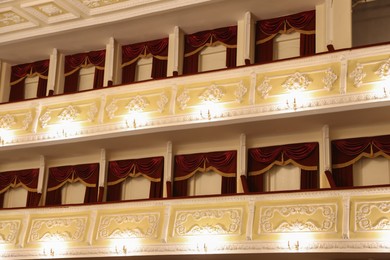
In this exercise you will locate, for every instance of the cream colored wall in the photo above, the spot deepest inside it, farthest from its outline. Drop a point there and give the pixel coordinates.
(86, 78)
(321, 28)
(207, 183)
(281, 178)
(144, 69)
(73, 193)
(371, 171)
(342, 24)
(136, 188)
(212, 58)
(286, 46)
(15, 197)
(30, 87)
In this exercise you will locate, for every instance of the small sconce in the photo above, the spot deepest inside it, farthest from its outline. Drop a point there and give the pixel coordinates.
(293, 245)
(210, 110)
(5, 136)
(121, 249)
(48, 252)
(295, 85)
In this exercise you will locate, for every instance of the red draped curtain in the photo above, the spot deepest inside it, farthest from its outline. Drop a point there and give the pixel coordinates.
(158, 49)
(346, 152)
(87, 174)
(28, 179)
(223, 163)
(119, 171)
(73, 64)
(19, 73)
(194, 43)
(303, 155)
(267, 30)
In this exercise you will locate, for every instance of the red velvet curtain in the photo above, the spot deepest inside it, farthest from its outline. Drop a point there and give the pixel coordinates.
(194, 43)
(73, 64)
(158, 49)
(346, 152)
(28, 179)
(88, 174)
(19, 73)
(266, 30)
(224, 163)
(119, 171)
(303, 155)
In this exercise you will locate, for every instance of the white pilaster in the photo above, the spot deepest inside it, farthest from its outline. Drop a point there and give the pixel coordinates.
(109, 64)
(41, 174)
(167, 167)
(52, 75)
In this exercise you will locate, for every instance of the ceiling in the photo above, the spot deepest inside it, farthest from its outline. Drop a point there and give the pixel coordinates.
(30, 29)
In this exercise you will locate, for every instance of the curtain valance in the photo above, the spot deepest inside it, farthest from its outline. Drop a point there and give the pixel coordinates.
(157, 48)
(28, 179)
(348, 151)
(197, 41)
(77, 61)
(38, 68)
(150, 168)
(87, 174)
(303, 155)
(303, 23)
(224, 163)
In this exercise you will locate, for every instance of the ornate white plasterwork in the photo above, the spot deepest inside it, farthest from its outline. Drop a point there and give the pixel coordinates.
(9, 230)
(70, 113)
(240, 91)
(162, 102)
(112, 108)
(297, 218)
(66, 229)
(329, 79)
(357, 75)
(45, 118)
(265, 87)
(297, 82)
(183, 99)
(367, 218)
(123, 226)
(137, 104)
(384, 70)
(208, 221)
(92, 112)
(7, 121)
(50, 9)
(10, 18)
(212, 94)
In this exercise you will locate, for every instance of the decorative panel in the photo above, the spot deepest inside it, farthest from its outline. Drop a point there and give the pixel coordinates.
(10, 228)
(300, 84)
(223, 222)
(219, 94)
(122, 225)
(56, 119)
(370, 217)
(12, 19)
(65, 228)
(139, 106)
(369, 74)
(14, 123)
(275, 220)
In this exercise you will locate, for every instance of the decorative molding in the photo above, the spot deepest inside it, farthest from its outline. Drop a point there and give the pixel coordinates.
(45, 118)
(240, 92)
(384, 70)
(9, 230)
(162, 102)
(208, 222)
(264, 88)
(65, 229)
(212, 94)
(124, 226)
(183, 99)
(357, 75)
(137, 104)
(372, 216)
(27, 120)
(112, 108)
(297, 81)
(92, 112)
(297, 218)
(7, 121)
(68, 114)
(329, 79)
(10, 18)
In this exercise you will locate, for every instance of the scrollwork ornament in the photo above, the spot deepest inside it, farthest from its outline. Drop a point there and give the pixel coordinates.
(45, 118)
(357, 75)
(162, 102)
(70, 113)
(112, 108)
(9, 231)
(91, 114)
(7, 121)
(384, 70)
(183, 99)
(137, 104)
(329, 79)
(297, 82)
(264, 88)
(212, 94)
(364, 220)
(240, 92)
